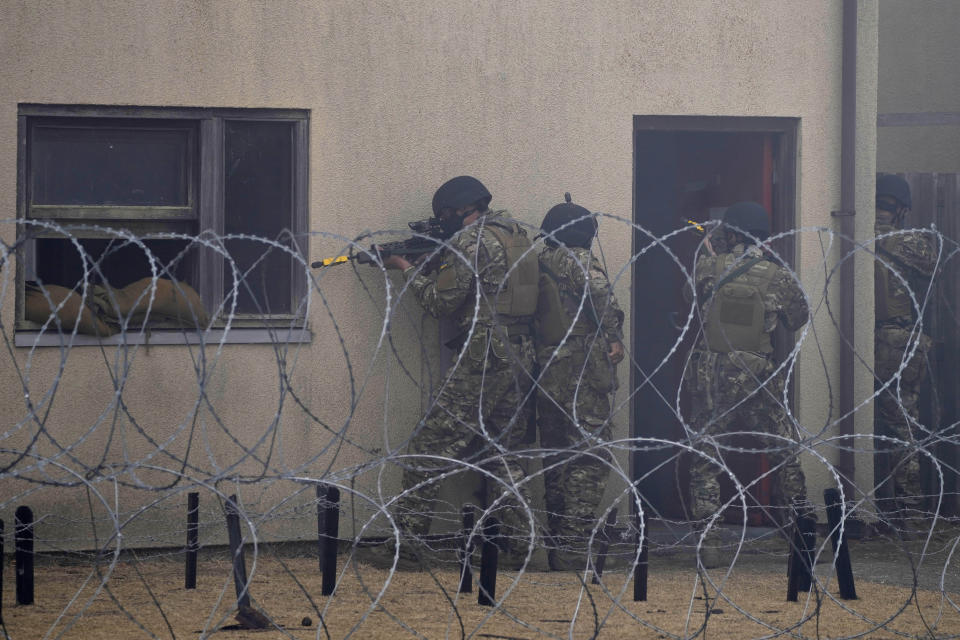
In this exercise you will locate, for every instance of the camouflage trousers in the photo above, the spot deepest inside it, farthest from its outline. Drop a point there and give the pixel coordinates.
(897, 410)
(478, 417)
(575, 477)
(726, 397)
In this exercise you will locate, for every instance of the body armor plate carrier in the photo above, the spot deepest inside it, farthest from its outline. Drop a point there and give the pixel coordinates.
(735, 314)
(518, 297)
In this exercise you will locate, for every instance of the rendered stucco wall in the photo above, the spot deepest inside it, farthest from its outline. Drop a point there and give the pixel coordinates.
(534, 98)
(919, 75)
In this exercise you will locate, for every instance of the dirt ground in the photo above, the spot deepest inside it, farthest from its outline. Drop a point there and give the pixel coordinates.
(146, 598)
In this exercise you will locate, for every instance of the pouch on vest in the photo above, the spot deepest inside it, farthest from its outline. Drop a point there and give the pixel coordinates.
(447, 277)
(601, 373)
(891, 301)
(735, 317)
(550, 322)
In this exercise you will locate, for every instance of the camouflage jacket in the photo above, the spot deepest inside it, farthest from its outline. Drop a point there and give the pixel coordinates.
(472, 252)
(576, 270)
(783, 302)
(910, 254)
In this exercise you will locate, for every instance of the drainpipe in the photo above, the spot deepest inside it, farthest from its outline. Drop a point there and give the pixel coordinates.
(845, 464)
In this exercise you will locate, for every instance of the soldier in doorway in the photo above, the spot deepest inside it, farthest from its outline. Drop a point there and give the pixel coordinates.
(735, 382)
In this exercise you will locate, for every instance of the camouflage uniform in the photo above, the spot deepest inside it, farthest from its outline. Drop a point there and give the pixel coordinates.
(479, 411)
(911, 254)
(726, 391)
(578, 371)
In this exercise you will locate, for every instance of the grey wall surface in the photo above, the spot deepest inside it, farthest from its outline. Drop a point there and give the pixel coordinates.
(535, 98)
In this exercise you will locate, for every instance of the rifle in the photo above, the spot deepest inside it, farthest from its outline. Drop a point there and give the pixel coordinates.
(415, 246)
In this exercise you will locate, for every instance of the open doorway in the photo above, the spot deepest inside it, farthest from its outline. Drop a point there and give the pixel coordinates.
(692, 168)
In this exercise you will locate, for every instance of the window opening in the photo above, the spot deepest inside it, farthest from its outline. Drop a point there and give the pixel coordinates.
(161, 173)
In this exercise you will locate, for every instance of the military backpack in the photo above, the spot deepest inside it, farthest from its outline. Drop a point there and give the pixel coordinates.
(552, 322)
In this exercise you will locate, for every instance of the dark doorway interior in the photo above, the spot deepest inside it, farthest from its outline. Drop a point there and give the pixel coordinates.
(690, 169)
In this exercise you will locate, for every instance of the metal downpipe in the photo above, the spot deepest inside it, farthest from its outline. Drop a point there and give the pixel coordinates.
(848, 125)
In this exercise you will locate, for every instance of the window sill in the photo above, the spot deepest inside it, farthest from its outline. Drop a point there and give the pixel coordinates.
(155, 337)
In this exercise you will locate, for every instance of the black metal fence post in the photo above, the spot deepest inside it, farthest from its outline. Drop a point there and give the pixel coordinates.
(193, 515)
(321, 528)
(800, 564)
(640, 571)
(331, 525)
(604, 548)
(1, 571)
(247, 616)
(841, 553)
(236, 553)
(23, 553)
(488, 564)
(466, 552)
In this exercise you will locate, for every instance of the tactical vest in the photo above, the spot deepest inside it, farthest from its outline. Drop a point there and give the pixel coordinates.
(518, 296)
(892, 299)
(552, 321)
(736, 314)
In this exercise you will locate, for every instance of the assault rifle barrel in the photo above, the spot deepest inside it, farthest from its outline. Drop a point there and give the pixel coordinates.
(429, 241)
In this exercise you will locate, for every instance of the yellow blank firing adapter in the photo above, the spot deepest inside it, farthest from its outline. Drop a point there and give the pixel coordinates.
(326, 262)
(697, 226)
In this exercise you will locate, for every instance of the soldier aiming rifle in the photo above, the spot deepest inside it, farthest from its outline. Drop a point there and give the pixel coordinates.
(428, 238)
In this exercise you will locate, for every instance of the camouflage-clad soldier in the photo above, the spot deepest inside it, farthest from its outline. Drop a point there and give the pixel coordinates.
(742, 298)
(579, 343)
(479, 412)
(905, 262)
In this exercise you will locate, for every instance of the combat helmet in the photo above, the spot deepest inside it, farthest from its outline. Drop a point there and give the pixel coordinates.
(454, 194)
(748, 217)
(889, 184)
(569, 224)
(459, 192)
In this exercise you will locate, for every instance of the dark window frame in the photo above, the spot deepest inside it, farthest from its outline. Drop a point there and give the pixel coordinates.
(205, 208)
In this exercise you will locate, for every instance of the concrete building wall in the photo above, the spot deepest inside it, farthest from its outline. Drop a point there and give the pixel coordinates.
(919, 77)
(534, 98)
